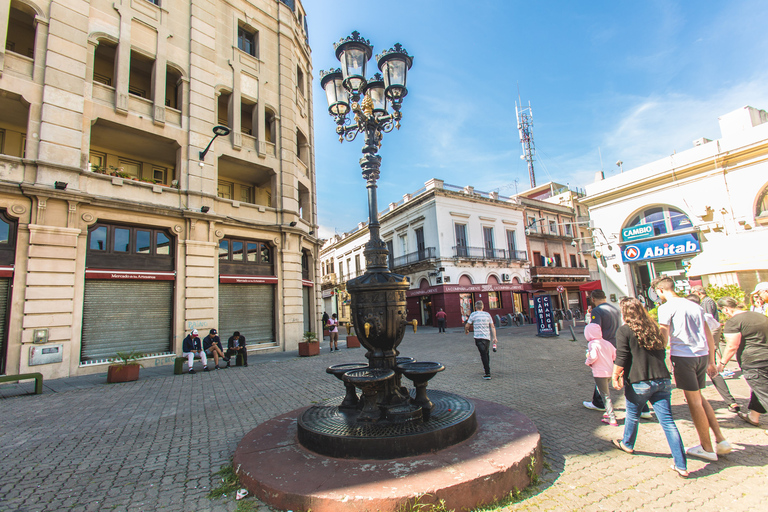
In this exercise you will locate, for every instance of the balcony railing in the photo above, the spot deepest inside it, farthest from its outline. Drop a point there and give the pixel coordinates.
(481, 253)
(415, 257)
(554, 272)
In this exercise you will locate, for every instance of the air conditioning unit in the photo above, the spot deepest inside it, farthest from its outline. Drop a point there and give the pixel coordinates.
(505, 277)
(439, 280)
(446, 279)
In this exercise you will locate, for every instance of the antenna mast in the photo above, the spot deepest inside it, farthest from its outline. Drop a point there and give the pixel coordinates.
(524, 126)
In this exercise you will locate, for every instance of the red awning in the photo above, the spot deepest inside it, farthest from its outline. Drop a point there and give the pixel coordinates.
(590, 286)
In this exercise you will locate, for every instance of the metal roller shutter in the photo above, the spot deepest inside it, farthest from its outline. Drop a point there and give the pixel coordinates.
(5, 286)
(306, 295)
(248, 308)
(121, 316)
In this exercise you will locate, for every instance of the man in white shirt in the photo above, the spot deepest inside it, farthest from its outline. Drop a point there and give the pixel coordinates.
(692, 350)
(484, 332)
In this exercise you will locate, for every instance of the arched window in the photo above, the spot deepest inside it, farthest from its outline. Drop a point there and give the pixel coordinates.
(465, 280)
(7, 240)
(761, 212)
(664, 219)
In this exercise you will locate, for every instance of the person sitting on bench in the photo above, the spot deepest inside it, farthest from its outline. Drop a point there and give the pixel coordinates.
(191, 348)
(212, 347)
(236, 345)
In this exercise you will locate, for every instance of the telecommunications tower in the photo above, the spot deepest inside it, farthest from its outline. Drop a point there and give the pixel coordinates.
(524, 126)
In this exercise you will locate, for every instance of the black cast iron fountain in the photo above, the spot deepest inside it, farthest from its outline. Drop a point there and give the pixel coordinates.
(386, 422)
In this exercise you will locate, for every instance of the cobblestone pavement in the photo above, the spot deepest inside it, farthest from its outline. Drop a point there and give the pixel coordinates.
(155, 444)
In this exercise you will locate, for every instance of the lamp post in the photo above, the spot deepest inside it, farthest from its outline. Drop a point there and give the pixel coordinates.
(378, 296)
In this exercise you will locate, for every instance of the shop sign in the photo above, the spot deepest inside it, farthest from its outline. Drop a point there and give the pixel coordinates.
(637, 232)
(130, 275)
(662, 248)
(545, 320)
(473, 288)
(248, 279)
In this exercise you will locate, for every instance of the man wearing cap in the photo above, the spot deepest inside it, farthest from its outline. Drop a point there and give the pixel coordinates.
(191, 347)
(212, 347)
(236, 345)
(761, 290)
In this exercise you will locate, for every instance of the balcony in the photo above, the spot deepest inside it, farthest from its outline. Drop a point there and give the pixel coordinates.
(329, 280)
(428, 253)
(481, 253)
(548, 273)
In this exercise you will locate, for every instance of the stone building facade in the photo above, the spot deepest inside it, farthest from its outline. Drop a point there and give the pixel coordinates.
(699, 216)
(120, 231)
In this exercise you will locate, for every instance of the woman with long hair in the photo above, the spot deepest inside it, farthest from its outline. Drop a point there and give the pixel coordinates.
(641, 370)
(746, 335)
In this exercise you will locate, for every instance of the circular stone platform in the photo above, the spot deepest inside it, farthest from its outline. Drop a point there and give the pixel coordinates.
(276, 469)
(331, 431)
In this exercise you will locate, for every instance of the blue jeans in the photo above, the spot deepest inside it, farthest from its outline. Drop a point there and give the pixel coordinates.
(658, 392)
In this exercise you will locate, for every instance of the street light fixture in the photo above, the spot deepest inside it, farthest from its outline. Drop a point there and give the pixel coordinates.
(217, 130)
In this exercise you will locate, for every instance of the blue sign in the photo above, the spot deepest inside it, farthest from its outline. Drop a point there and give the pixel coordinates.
(545, 320)
(637, 232)
(672, 246)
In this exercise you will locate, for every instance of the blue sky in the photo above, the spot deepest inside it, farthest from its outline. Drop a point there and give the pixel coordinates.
(631, 81)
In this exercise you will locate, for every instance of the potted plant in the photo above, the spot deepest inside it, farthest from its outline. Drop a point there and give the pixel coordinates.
(310, 345)
(124, 368)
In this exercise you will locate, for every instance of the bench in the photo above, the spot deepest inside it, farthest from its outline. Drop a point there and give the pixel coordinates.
(26, 376)
(179, 362)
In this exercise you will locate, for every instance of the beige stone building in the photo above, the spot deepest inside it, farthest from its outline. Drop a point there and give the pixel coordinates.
(118, 232)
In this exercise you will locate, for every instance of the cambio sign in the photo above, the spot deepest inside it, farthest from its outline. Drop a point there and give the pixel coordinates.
(663, 248)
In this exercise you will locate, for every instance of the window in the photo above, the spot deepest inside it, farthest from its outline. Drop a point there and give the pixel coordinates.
(300, 80)
(511, 246)
(246, 194)
(104, 62)
(225, 189)
(403, 244)
(568, 230)
(246, 40)
(420, 243)
(357, 264)
(137, 247)
(222, 107)
(533, 225)
(488, 241)
(537, 261)
(172, 88)
(573, 260)
(341, 270)
(269, 126)
(552, 227)
(494, 300)
(390, 256)
(130, 167)
(664, 220)
(21, 30)
(140, 80)
(159, 174)
(558, 261)
(7, 239)
(97, 160)
(244, 257)
(302, 147)
(304, 265)
(461, 239)
(247, 113)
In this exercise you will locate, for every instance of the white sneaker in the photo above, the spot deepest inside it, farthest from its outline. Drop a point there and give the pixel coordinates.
(590, 405)
(723, 447)
(646, 415)
(698, 451)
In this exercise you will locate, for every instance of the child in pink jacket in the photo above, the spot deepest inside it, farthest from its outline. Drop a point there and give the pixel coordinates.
(600, 356)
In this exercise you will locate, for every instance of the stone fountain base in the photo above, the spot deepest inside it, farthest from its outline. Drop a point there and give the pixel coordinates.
(276, 469)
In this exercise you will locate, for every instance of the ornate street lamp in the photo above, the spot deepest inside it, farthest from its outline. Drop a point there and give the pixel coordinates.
(378, 296)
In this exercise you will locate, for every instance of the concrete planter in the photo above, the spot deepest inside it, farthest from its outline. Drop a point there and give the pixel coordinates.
(122, 373)
(353, 342)
(308, 349)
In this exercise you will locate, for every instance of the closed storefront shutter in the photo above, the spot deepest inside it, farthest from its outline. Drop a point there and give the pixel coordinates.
(122, 316)
(306, 293)
(5, 286)
(248, 308)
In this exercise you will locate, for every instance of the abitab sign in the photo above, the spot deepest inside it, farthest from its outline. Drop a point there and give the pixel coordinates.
(679, 245)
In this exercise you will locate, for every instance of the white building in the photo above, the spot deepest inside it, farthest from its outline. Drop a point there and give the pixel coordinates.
(699, 216)
(458, 245)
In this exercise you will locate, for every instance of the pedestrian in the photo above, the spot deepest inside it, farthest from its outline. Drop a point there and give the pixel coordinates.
(746, 334)
(600, 356)
(718, 379)
(235, 346)
(692, 351)
(191, 347)
(484, 332)
(757, 304)
(212, 347)
(640, 368)
(710, 307)
(761, 290)
(333, 328)
(441, 316)
(325, 318)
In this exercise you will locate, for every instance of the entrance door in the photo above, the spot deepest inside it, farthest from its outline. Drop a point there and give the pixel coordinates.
(426, 310)
(306, 293)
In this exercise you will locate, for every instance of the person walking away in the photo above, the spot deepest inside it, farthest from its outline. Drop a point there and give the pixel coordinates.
(191, 347)
(692, 350)
(600, 356)
(640, 368)
(441, 316)
(718, 379)
(484, 332)
(212, 347)
(235, 346)
(325, 318)
(710, 307)
(333, 328)
(746, 335)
